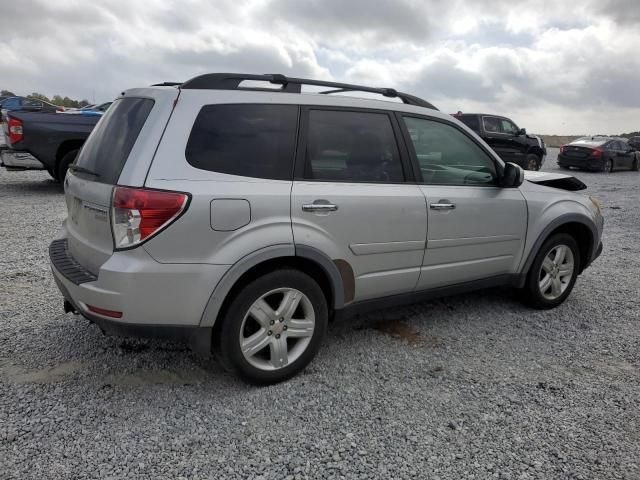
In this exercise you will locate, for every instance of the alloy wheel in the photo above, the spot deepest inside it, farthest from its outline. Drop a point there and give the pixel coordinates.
(277, 329)
(556, 272)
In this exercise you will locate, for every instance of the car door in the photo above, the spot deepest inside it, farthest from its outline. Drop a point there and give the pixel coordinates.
(476, 229)
(627, 155)
(498, 141)
(351, 201)
(516, 144)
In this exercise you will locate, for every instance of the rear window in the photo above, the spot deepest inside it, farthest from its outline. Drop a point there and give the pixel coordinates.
(470, 121)
(107, 148)
(244, 139)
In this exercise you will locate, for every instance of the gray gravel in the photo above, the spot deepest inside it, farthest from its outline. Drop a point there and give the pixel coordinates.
(474, 386)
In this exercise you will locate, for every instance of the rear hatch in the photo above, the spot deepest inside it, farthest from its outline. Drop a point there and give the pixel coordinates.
(128, 133)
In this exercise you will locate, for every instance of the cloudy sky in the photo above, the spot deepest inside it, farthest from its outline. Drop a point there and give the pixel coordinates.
(553, 66)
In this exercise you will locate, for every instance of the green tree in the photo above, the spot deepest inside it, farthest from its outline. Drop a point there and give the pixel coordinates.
(40, 96)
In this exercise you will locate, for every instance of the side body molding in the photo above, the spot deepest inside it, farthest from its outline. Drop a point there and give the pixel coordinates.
(246, 263)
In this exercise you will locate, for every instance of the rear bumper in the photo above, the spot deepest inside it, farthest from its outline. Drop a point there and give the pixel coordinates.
(154, 299)
(585, 164)
(16, 160)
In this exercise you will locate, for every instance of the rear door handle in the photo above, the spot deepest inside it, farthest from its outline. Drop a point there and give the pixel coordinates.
(442, 205)
(319, 207)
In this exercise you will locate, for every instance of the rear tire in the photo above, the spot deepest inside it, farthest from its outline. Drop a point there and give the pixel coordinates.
(63, 166)
(553, 273)
(53, 175)
(533, 162)
(273, 327)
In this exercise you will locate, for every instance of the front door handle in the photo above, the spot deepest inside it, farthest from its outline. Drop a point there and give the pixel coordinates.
(442, 205)
(319, 207)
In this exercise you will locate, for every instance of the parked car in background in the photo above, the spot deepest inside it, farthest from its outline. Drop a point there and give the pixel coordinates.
(634, 142)
(599, 153)
(89, 110)
(14, 104)
(240, 219)
(510, 142)
(53, 139)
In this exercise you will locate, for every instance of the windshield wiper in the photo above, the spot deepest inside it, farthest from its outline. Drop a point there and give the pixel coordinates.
(77, 168)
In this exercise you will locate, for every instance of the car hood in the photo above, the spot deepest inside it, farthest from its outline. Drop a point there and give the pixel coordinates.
(555, 180)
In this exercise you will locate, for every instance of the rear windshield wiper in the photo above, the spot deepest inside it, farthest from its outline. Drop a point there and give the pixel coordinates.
(79, 169)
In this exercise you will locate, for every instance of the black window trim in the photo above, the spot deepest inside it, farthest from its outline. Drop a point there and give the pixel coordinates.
(407, 165)
(414, 157)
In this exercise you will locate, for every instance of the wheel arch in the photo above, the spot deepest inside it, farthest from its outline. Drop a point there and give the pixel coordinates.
(66, 147)
(579, 227)
(306, 259)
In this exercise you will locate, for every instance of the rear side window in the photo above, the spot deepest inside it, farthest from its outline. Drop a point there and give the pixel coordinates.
(351, 147)
(244, 139)
(470, 121)
(107, 148)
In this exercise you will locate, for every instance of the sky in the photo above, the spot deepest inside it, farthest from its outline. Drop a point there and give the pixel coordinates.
(554, 67)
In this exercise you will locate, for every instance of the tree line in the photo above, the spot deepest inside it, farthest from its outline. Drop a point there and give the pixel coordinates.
(56, 99)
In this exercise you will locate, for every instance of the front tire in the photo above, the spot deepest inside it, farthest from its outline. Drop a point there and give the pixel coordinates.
(533, 162)
(553, 273)
(273, 327)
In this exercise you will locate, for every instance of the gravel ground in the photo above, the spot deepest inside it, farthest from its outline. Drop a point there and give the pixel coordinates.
(474, 386)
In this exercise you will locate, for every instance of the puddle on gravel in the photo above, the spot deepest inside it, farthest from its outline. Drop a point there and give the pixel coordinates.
(400, 331)
(43, 375)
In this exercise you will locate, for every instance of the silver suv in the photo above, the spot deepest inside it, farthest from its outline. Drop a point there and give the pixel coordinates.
(240, 213)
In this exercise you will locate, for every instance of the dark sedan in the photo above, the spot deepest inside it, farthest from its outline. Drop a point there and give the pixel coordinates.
(603, 154)
(634, 142)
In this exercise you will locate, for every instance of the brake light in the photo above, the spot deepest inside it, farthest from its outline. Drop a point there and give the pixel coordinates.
(597, 152)
(15, 130)
(137, 214)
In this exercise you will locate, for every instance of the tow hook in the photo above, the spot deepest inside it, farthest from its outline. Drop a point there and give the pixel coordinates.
(68, 307)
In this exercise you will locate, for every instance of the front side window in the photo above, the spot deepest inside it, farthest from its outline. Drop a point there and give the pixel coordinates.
(348, 146)
(508, 127)
(248, 140)
(446, 156)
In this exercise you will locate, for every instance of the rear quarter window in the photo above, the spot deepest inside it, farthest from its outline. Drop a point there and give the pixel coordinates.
(470, 121)
(244, 139)
(106, 150)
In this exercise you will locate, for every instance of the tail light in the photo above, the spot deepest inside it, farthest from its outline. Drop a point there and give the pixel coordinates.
(138, 214)
(15, 130)
(60, 109)
(562, 148)
(597, 152)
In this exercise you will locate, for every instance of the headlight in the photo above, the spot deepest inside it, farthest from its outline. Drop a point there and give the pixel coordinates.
(596, 205)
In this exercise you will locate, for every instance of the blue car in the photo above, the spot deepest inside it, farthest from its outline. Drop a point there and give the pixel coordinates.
(12, 104)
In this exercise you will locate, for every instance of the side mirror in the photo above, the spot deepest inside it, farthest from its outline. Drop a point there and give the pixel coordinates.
(522, 131)
(513, 176)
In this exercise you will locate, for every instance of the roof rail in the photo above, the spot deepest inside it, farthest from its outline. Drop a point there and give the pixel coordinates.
(232, 81)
